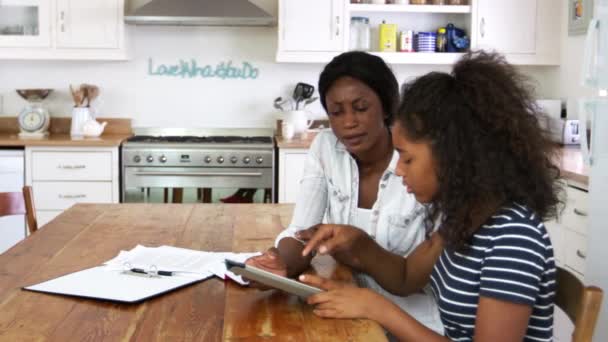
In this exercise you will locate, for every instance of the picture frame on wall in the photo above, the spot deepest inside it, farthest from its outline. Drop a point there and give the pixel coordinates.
(580, 13)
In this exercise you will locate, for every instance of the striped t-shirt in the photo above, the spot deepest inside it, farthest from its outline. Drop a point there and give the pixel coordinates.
(509, 258)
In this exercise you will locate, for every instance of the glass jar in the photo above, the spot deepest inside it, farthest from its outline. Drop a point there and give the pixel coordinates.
(418, 2)
(359, 33)
(438, 2)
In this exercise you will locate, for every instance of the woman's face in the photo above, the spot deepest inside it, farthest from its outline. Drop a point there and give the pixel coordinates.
(355, 114)
(416, 165)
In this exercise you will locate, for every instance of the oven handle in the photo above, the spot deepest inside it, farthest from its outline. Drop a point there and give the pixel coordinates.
(197, 174)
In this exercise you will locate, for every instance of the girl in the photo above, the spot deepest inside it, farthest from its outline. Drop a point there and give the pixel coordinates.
(471, 148)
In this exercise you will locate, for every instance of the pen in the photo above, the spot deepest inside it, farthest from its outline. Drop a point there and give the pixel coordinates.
(142, 271)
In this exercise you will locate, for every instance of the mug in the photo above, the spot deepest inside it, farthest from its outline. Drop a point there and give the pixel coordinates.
(287, 130)
(299, 120)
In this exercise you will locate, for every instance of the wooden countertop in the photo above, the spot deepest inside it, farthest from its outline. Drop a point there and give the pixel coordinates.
(572, 166)
(213, 310)
(108, 140)
(570, 158)
(116, 131)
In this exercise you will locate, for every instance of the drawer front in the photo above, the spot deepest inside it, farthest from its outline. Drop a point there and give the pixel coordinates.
(556, 231)
(62, 195)
(71, 166)
(575, 214)
(576, 250)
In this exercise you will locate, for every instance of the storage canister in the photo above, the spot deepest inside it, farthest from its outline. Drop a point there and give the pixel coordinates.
(388, 37)
(406, 41)
(359, 34)
(442, 40)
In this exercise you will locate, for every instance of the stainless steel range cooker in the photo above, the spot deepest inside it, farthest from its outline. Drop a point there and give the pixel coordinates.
(196, 163)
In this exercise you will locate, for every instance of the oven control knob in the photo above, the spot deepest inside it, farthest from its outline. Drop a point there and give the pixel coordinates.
(220, 159)
(137, 159)
(234, 159)
(207, 159)
(259, 160)
(149, 159)
(246, 160)
(162, 159)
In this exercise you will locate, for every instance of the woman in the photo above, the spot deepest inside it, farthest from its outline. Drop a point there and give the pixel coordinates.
(470, 146)
(350, 177)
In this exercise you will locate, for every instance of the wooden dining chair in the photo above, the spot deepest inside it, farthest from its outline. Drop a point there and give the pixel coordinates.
(580, 303)
(17, 203)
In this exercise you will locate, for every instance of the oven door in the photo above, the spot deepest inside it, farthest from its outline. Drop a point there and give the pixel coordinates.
(191, 185)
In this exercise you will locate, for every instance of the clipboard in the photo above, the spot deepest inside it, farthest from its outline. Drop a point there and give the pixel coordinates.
(108, 283)
(270, 279)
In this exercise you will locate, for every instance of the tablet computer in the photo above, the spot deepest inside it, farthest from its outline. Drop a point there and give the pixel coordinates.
(270, 279)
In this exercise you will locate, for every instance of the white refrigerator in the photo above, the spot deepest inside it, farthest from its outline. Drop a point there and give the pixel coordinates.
(595, 111)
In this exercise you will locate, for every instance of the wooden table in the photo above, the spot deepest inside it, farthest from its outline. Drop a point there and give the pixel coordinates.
(213, 310)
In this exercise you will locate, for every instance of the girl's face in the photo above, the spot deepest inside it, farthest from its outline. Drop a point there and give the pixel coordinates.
(355, 114)
(416, 165)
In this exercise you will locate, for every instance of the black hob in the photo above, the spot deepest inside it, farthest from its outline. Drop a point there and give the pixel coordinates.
(201, 139)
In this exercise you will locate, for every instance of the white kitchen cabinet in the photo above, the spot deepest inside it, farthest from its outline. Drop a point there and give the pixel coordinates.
(25, 23)
(65, 29)
(12, 228)
(88, 24)
(569, 232)
(310, 29)
(526, 31)
(291, 167)
(63, 176)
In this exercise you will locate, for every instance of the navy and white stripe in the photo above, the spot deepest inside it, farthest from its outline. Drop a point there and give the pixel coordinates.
(509, 258)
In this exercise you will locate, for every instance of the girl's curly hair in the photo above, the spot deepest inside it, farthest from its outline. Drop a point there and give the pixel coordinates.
(482, 123)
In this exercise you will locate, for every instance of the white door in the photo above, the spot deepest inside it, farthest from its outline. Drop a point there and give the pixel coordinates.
(25, 23)
(311, 25)
(88, 24)
(507, 26)
(291, 167)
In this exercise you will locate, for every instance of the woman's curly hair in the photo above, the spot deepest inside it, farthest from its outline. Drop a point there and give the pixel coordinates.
(482, 123)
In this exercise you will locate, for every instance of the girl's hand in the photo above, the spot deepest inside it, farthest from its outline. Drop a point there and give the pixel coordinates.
(270, 261)
(341, 300)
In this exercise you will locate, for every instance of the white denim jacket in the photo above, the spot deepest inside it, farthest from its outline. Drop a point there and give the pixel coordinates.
(329, 189)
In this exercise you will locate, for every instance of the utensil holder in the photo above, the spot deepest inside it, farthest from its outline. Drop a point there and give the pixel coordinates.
(80, 115)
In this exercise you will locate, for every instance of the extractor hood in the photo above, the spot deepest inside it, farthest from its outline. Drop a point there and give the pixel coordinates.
(200, 13)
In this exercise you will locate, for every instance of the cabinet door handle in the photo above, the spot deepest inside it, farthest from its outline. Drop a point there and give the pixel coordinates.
(580, 212)
(337, 25)
(72, 196)
(482, 27)
(71, 167)
(581, 254)
(62, 17)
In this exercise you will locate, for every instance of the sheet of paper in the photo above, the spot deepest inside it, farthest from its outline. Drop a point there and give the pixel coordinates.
(110, 284)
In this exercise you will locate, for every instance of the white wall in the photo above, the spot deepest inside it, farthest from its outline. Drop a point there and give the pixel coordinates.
(128, 91)
(569, 87)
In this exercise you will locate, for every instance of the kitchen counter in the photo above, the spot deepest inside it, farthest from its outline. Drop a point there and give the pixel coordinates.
(106, 140)
(570, 158)
(116, 131)
(572, 166)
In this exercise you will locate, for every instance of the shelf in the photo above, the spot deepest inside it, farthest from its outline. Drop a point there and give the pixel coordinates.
(419, 57)
(371, 8)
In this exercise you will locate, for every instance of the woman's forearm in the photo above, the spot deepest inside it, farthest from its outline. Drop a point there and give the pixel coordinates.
(387, 269)
(290, 251)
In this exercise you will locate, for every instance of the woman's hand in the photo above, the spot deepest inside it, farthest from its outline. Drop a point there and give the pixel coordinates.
(343, 242)
(342, 300)
(270, 261)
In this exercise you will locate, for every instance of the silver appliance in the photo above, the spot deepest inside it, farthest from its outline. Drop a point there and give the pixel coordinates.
(191, 161)
(200, 13)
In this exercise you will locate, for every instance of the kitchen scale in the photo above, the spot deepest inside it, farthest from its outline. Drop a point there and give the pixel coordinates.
(34, 120)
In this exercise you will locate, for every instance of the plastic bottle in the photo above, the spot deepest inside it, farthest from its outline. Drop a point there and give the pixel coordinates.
(442, 42)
